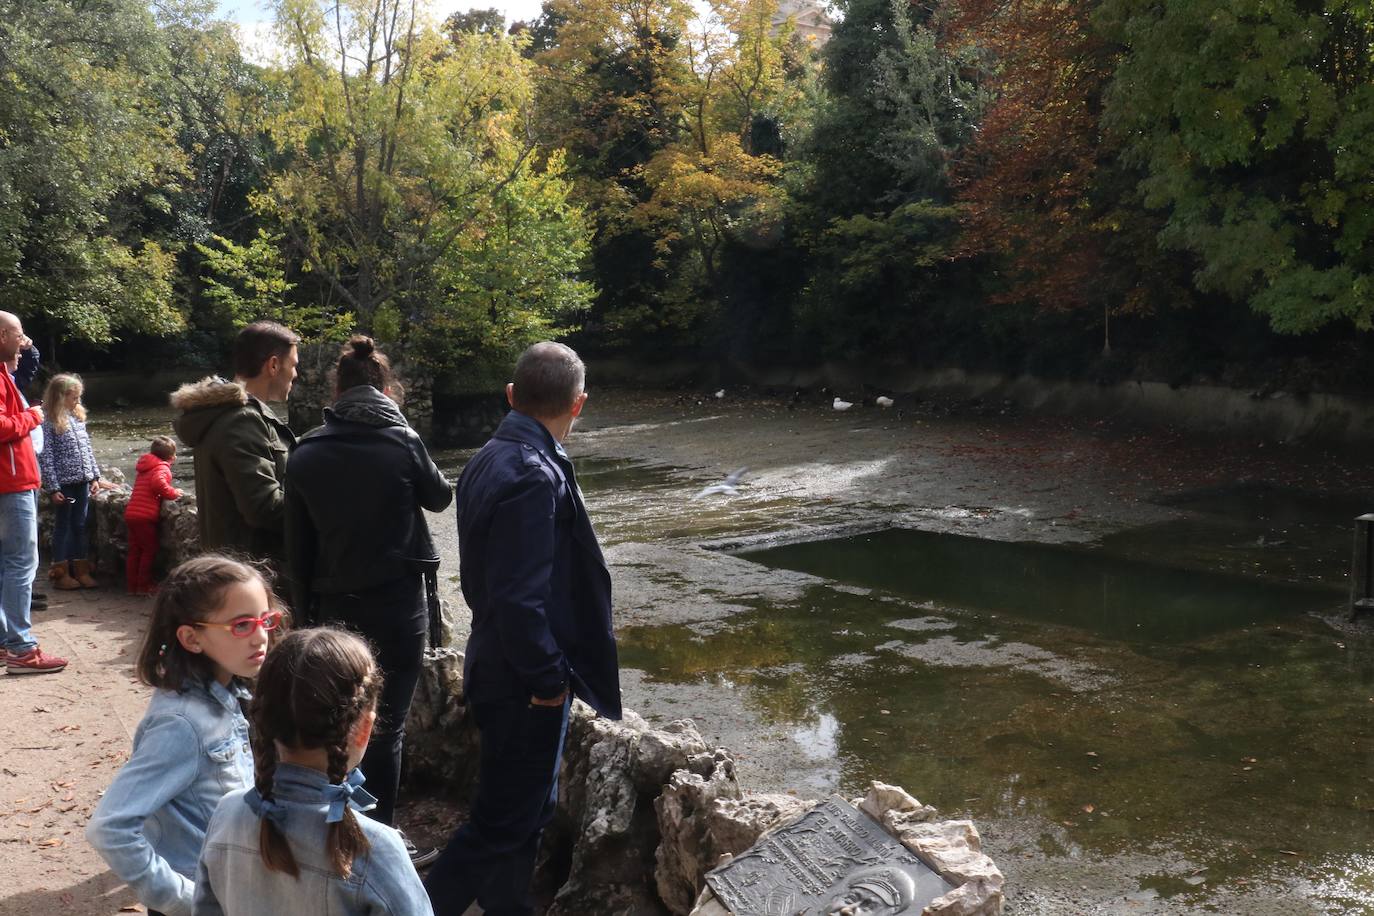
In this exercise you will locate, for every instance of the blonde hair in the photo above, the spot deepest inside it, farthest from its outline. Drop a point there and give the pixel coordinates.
(55, 400)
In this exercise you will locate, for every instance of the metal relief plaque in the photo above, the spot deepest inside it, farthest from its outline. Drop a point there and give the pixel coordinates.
(833, 860)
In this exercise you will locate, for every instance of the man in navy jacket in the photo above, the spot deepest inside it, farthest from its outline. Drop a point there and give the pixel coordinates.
(533, 574)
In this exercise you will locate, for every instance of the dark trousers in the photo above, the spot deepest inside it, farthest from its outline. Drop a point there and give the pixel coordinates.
(138, 570)
(393, 618)
(69, 523)
(490, 858)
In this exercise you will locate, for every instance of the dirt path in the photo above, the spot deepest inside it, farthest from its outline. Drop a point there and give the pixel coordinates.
(68, 734)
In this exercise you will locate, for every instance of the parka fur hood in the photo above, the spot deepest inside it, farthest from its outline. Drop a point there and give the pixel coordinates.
(202, 403)
(239, 448)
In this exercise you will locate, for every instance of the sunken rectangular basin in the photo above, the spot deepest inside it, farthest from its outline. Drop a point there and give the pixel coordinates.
(1114, 596)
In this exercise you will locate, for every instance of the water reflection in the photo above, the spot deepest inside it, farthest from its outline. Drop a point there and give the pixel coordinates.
(1258, 734)
(1113, 596)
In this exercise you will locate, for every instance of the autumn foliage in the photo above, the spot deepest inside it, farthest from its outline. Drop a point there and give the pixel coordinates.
(1027, 183)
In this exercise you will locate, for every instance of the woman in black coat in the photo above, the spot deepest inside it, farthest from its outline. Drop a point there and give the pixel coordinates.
(358, 545)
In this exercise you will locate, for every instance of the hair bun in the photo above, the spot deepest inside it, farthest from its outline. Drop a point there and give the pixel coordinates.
(363, 347)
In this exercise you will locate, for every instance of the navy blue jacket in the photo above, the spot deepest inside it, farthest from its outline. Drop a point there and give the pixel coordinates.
(533, 574)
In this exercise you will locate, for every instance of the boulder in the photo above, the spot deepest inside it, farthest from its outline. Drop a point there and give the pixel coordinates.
(607, 827)
(441, 742)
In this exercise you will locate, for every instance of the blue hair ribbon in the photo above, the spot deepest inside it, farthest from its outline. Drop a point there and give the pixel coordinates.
(349, 792)
(266, 807)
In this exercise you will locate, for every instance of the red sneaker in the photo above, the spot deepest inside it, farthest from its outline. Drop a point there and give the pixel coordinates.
(34, 661)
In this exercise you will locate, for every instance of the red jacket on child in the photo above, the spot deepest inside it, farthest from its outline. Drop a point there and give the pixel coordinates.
(152, 485)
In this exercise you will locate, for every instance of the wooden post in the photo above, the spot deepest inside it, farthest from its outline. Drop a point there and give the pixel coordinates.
(1362, 566)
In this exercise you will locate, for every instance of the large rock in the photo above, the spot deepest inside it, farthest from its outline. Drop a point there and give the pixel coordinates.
(607, 825)
(441, 741)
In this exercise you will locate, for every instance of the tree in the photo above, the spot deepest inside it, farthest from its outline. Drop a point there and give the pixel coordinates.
(874, 207)
(709, 184)
(393, 141)
(476, 21)
(87, 152)
(609, 77)
(512, 277)
(248, 282)
(1254, 128)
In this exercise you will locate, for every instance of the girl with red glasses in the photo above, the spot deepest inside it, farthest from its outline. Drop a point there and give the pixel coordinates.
(212, 624)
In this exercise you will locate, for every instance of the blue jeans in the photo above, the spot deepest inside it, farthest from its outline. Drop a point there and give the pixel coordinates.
(69, 541)
(18, 563)
(490, 858)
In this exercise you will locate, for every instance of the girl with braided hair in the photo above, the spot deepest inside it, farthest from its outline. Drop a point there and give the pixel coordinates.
(211, 627)
(292, 843)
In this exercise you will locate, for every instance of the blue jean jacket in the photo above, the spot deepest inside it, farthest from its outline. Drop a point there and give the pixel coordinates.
(189, 751)
(232, 880)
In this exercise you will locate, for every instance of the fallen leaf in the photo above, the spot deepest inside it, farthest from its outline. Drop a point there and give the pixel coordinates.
(51, 841)
(1088, 809)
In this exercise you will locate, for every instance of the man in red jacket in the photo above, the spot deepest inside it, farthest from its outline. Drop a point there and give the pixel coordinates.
(18, 516)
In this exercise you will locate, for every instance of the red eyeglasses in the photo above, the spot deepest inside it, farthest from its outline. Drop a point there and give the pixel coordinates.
(244, 627)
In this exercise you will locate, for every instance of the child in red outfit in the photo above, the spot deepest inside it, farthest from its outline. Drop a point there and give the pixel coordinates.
(152, 485)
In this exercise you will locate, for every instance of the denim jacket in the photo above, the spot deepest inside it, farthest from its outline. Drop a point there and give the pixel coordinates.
(189, 751)
(232, 880)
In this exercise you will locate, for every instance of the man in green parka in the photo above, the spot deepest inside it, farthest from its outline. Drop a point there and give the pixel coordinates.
(239, 446)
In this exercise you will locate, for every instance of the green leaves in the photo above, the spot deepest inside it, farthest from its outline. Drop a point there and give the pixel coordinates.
(86, 146)
(1253, 126)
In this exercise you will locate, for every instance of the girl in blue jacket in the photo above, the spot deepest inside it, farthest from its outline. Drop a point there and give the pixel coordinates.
(292, 843)
(209, 635)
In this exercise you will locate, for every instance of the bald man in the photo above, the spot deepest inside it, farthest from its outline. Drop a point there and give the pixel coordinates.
(18, 515)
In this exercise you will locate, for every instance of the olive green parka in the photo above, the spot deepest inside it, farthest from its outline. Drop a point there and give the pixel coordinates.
(239, 448)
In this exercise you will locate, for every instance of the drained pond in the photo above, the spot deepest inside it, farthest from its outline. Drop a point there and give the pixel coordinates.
(1138, 681)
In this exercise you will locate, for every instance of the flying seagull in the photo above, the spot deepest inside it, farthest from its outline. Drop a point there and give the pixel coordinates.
(728, 486)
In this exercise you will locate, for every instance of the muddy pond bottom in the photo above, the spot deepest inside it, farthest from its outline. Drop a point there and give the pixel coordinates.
(1207, 733)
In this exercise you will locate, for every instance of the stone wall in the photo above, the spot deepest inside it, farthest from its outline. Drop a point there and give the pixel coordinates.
(109, 538)
(644, 812)
(469, 420)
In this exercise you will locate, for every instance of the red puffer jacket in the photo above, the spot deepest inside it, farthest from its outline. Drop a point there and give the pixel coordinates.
(152, 485)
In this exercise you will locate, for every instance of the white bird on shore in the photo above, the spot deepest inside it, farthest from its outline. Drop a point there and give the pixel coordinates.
(842, 405)
(883, 401)
(720, 394)
(728, 486)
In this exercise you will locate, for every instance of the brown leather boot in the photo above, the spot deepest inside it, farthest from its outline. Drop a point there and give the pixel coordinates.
(61, 577)
(82, 570)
